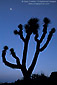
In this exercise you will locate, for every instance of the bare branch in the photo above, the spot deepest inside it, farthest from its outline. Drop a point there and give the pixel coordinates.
(5, 61)
(48, 39)
(14, 55)
(35, 58)
(46, 21)
(25, 50)
(20, 33)
(44, 33)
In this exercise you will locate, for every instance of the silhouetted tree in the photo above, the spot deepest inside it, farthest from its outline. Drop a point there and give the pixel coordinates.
(31, 27)
(53, 76)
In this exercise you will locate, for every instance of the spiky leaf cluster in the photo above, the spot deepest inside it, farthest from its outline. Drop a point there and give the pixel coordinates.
(32, 26)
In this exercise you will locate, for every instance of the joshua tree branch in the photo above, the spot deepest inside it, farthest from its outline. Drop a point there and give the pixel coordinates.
(35, 58)
(20, 33)
(48, 39)
(25, 50)
(14, 55)
(44, 32)
(21, 36)
(6, 62)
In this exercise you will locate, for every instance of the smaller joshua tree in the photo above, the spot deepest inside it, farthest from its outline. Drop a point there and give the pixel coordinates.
(31, 27)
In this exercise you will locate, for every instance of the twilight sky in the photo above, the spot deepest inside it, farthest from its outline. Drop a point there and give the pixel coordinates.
(13, 13)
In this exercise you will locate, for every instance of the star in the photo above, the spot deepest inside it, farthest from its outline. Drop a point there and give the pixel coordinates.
(10, 9)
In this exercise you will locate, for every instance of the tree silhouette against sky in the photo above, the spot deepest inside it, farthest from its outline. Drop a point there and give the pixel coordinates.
(31, 27)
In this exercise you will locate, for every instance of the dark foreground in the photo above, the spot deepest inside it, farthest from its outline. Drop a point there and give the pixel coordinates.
(37, 80)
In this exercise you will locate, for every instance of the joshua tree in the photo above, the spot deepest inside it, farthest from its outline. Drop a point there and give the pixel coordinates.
(31, 27)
